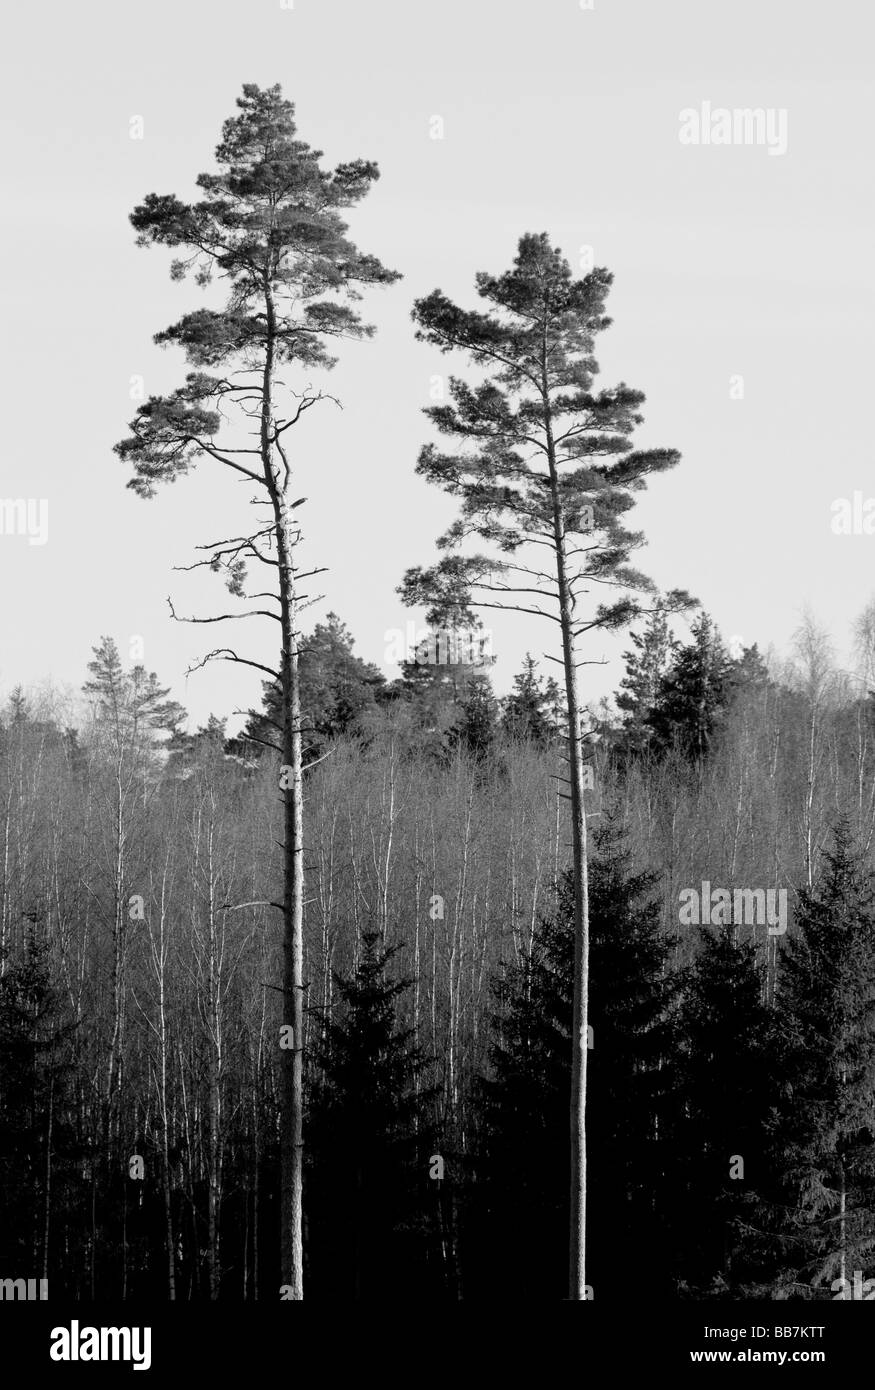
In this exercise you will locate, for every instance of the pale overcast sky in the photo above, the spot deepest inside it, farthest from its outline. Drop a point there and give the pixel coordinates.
(729, 261)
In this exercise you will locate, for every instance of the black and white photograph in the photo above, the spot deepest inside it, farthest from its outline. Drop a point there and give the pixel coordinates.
(437, 682)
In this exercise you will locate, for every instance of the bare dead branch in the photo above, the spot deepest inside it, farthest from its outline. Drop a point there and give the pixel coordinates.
(226, 654)
(223, 617)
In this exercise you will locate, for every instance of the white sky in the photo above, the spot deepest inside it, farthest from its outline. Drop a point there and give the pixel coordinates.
(727, 260)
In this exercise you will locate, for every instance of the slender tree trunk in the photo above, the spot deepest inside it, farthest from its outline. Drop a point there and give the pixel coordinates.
(293, 943)
(47, 1205)
(291, 1059)
(165, 1171)
(256, 1175)
(809, 802)
(417, 898)
(843, 1226)
(4, 906)
(125, 1242)
(577, 1114)
(160, 959)
(214, 1094)
(843, 1206)
(577, 1244)
(93, 1250)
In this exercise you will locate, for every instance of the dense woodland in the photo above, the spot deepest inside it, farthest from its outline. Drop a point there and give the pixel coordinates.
(730, 1112)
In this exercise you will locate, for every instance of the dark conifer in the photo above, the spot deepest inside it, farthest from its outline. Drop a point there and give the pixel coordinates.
(370, 1199)
(693, 693)
(528, 709)
(518, 1210)
(725, 1090)
(816, 1221)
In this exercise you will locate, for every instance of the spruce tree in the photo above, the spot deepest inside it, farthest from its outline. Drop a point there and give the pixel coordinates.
(337, 690)
(527, 710)
(37, 1144)
(632, 1056)
(475, 727)
(518, 1211)
(815, 1225)
(725, 1089)
(368, 1184)
(693, 693)
(748, 671)
(436, 679)
(646, 667)
(516, 1207)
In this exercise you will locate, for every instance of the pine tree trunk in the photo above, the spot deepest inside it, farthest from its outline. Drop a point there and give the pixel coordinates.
(577, 1113)
(577, 1245)
(291, 1135)
(291, 1058)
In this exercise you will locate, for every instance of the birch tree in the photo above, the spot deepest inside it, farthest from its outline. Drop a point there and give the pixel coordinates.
(270, 225)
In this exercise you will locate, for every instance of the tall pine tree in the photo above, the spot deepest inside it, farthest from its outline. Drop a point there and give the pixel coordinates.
(270, 224)
(545, 471)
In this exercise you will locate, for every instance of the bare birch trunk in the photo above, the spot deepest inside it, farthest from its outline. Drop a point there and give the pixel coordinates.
(214, 1031)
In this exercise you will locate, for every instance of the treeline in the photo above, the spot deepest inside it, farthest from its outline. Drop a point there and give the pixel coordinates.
(732, 1067)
